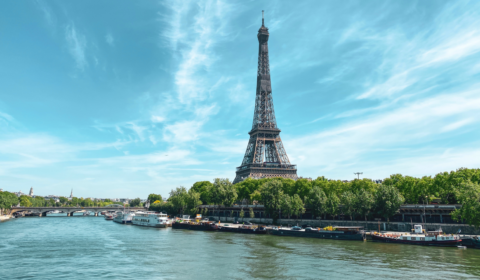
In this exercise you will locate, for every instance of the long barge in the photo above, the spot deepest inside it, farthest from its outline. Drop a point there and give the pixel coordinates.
(471, 242)
(418, 237)
(197, 224)
(335, 233)
(248, 229)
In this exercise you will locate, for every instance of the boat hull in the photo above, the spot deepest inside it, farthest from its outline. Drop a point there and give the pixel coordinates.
(242, 230)
(443, 243)
(202, 227)
(335, 235)
(471, 243)
(150, 225)
(122, 221)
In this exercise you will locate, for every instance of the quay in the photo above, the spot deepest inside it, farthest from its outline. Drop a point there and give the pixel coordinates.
(5, 217)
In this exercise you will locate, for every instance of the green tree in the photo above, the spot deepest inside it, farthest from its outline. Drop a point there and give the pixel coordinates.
(193, 202)
(7, 200)
(302, 188)
(63, 200)
(25, 201)
(317, 201)
(298, 208)
(154, 197)
(272, 195)
(348, 201)
(252, 214)
(387, 201)
(242, 214)
(179, 199)
(256, 196)
(135, 202)
(223, 192)
(286, 207)
(332, 204)
(469, 196)
(363, 184)
(75, 201)
(162, 207)
(246, 188)
(204, 188)
(86, 202)
(364, 203)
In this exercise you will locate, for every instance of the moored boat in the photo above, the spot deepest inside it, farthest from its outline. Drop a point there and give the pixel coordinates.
(335, 232)
(151, 219)
(109, 215)
(243, 228)
(124, 217)
(197, 224)
(419, 237)
(471, 241)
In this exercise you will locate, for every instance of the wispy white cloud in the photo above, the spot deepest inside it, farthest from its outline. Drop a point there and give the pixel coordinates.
(5, 119)
(109, 39)
(48, 14)
(157, 119)
(194, 38)
(380, 135)
(184, 131)
(77, 44)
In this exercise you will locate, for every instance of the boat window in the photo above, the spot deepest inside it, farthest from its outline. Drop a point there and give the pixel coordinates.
(414, 238)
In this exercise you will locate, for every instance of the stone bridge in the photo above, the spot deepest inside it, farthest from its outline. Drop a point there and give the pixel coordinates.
(70, 210)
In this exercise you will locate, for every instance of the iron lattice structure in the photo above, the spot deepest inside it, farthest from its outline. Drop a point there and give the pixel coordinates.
(265, 156)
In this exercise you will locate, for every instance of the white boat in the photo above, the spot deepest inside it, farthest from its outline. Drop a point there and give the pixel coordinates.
(151, 219)
(124, 217)
(109, 215)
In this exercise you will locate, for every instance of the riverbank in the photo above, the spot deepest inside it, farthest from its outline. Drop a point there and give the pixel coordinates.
(368, 225)
(5, 217)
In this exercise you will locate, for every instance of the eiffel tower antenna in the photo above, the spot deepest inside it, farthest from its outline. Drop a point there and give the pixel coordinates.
(265, 156)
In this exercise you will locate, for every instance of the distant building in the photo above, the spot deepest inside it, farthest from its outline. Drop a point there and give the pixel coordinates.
(54, 197)
(31, 192)
(19, 193)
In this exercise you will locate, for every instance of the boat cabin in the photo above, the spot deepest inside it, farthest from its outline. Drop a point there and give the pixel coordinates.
(417, 229)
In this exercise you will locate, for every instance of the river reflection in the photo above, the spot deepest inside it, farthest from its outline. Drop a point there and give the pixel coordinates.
(92, 248)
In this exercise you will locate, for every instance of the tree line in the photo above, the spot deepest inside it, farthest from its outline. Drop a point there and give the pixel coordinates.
(8, 199)
(355, 199)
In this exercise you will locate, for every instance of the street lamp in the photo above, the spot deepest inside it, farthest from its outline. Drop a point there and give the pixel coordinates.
(358, 174)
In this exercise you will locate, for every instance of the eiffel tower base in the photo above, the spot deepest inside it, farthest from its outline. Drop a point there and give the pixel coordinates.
(265, 172)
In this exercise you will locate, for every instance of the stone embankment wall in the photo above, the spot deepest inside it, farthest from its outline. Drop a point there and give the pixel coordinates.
(4, 217)
(371, 226)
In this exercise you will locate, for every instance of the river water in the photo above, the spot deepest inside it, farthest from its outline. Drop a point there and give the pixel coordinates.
(92, 248)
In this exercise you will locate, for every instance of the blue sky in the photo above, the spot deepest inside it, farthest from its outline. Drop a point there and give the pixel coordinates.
(126, 98)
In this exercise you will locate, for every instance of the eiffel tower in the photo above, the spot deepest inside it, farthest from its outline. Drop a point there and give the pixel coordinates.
(265, 156)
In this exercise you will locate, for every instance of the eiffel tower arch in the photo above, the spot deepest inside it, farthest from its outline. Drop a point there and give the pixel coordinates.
(265, 156)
